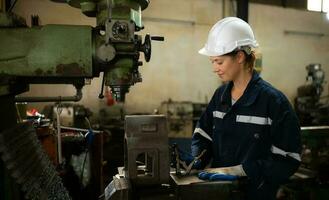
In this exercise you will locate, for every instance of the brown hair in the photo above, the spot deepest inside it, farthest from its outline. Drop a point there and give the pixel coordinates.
(249, 61)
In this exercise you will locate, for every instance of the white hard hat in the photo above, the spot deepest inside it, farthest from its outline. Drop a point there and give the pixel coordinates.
(227, 35)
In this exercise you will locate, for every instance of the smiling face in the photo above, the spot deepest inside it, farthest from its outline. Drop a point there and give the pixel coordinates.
(227, 67)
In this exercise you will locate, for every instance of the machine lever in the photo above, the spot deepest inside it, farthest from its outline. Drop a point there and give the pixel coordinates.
(157, 38)
(101, 95)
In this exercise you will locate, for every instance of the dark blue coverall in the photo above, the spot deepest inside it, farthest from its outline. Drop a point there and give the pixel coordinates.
(259, 131)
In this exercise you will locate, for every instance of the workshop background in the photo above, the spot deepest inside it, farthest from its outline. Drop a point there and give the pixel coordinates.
(177, 71)
(99, 147)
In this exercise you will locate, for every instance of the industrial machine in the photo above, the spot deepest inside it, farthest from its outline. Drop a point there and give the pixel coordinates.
(72, 115)
(311, 181)
(182, 117)
(61, 54)
(71, 54)
(312, 108)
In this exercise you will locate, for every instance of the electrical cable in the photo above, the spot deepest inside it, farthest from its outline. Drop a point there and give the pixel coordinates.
(87, 149)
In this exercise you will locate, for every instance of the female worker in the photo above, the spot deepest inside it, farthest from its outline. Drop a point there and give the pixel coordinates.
(249, 127)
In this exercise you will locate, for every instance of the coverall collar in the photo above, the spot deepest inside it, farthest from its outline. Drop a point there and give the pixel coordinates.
(249, 96)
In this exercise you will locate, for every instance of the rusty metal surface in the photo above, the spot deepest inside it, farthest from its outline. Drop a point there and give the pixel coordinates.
(59, 51)
(71, 68)
(29, 165)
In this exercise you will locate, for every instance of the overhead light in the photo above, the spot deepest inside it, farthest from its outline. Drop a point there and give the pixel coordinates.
(325, 6)
(314, 5)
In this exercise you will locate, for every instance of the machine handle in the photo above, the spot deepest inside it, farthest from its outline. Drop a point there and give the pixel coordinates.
(146, 47)
(101, 94)
(157, 38)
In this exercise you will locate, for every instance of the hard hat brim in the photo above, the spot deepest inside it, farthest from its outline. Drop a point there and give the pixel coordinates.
(204, 52)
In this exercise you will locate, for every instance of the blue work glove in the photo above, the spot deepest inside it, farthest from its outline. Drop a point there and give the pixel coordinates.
(190, 162)
(222, 173)
(216, 176)
(188, 158)
(183, 160)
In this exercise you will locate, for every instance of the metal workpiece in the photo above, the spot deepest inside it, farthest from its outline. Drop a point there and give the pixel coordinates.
(36, 175)
(192, 188)
(146, 143)
(119, 189)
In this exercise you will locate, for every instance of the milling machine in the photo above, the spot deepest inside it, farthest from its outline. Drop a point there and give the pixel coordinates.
(312, 108)
(61, 54)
